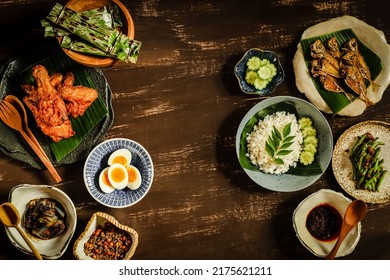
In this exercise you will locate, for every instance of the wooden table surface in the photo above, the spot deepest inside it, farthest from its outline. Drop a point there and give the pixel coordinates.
(182, 102)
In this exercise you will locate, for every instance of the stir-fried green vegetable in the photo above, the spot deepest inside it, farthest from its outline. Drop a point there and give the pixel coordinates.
(93, 32)
(367, 167)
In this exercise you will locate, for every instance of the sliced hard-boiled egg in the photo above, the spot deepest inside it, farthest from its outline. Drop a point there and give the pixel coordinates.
(104, 182)
(122, 156)
(118, 176)
(134, 177)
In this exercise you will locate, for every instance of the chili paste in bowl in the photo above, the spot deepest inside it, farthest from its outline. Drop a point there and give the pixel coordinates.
(324, 222)
(317, 222)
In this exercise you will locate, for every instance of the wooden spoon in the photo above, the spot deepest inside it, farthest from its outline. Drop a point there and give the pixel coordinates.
(354, 213)
(10, 217)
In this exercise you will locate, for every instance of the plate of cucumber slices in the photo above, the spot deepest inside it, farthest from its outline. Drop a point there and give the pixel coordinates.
(259, 72)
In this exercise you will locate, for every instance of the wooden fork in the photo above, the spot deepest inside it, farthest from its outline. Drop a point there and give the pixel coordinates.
(11, 117)
(14, 101)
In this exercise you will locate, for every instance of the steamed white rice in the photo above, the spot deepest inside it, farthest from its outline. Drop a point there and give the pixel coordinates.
(256, 141)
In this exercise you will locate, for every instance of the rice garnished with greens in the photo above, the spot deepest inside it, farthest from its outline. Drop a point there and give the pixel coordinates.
(262, 143)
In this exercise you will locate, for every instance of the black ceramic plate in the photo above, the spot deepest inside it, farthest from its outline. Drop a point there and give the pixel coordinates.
(12, 143)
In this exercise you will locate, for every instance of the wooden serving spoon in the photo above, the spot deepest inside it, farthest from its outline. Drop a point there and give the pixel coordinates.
(354, 213)
(10, 217)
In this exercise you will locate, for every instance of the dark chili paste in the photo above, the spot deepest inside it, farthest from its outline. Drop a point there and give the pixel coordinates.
(324, 222)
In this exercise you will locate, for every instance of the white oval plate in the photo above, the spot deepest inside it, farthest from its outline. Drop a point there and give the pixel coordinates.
(370, 37)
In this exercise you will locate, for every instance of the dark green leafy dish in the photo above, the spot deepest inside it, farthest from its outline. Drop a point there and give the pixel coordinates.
(90, 32)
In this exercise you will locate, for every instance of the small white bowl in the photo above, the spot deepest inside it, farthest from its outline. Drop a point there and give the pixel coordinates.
(317, 247)
(99, 219)
(53, 248)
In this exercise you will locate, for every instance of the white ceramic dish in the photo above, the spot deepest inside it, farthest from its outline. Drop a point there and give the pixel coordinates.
(371, 37)
(321, 248)
(53, 248)
(288, 182)
(99, 219)
(97, 161)
(342, 166)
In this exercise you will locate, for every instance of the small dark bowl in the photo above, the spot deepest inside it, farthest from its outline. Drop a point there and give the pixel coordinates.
(240, 72)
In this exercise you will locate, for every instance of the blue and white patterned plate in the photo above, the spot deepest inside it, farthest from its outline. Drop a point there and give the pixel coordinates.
(97, 161)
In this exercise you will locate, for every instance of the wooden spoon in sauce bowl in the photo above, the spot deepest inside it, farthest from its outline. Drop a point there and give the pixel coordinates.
(354, 213)
(10, 217)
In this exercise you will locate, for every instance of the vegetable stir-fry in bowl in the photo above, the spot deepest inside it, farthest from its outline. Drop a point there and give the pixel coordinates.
(49, 217)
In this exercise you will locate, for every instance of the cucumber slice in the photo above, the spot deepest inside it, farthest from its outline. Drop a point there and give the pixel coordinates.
(251, 76)
(309, 131)
(306, 158)
(253, 63)
(273, 69)
(260, 84)
(264, 62)
(304, 122)
(264, 72)
(310, 148)
(310, 140)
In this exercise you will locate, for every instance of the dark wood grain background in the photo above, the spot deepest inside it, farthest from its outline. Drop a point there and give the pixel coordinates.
(182, 102)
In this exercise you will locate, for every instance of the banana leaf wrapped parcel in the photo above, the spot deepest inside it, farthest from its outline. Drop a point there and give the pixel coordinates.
(93, 32)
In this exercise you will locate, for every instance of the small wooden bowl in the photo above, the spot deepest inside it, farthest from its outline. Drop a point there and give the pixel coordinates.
(127, 29)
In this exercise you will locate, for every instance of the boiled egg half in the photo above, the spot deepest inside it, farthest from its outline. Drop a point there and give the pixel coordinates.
(118, 176)
(104, 182)
(121, 156)
(134, 177)
(120, 173)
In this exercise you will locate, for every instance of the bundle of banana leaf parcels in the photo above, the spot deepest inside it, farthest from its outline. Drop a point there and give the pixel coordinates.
(92, 32)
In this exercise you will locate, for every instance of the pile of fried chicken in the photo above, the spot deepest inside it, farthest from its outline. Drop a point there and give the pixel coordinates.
(54, 99)
(340, 69)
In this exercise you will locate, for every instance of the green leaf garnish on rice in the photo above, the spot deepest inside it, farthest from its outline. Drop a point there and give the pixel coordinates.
(278, 143)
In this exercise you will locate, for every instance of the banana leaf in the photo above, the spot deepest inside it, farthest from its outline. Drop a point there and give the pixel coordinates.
(81, 125)
(300, 169)
(335, 100)
(95, 31)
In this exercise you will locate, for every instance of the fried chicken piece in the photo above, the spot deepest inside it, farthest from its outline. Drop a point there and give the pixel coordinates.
(47, 106)
(56, 79)
(78, 98)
